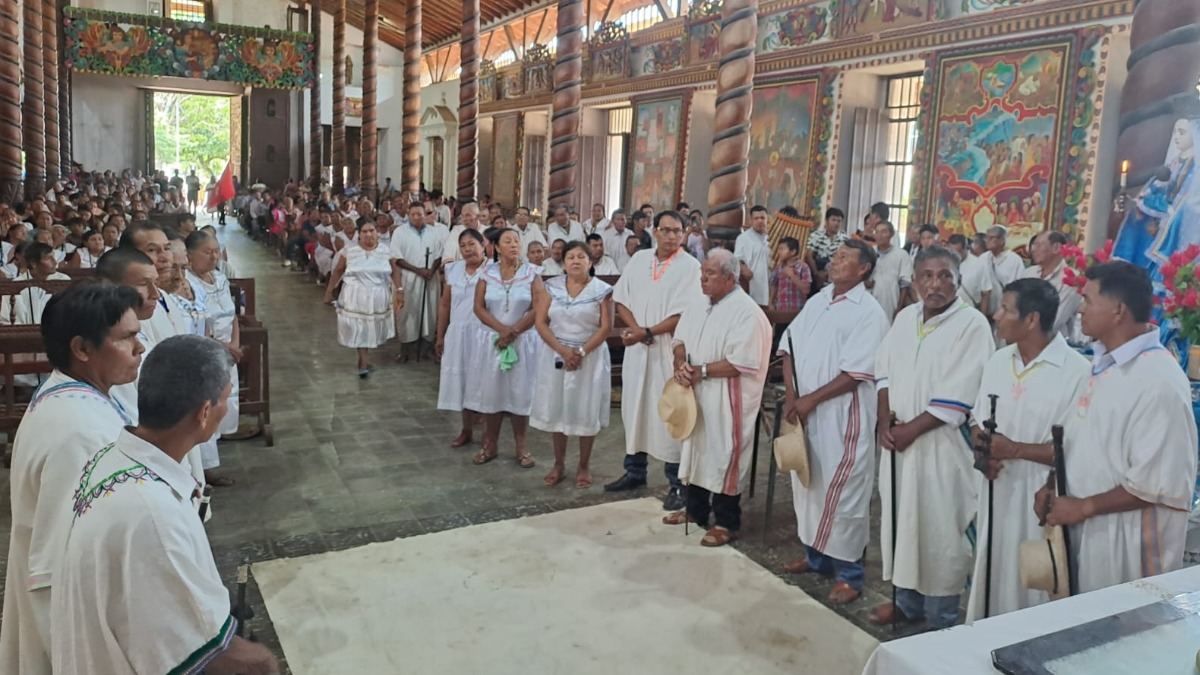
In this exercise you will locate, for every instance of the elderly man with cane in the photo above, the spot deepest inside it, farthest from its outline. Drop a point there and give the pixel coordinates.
(415, 250)
(138, 590)
(721, 350)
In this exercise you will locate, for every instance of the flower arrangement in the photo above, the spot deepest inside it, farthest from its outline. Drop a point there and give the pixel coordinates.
(1182, 301)
(1077, 263)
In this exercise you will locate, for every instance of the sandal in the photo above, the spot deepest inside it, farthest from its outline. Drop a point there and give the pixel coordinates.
(526, 460)
(583, 480)
(554, 477)
(798, 566)
(717, 536)
(483, 457)
(887, 613)
(843, 594)
(677, 518)
(461, 440)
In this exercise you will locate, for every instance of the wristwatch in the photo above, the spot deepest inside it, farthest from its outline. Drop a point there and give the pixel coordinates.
(704, 371)
(649, 339)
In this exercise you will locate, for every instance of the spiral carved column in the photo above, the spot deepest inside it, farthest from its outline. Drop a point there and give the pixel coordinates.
(731, 126)
(10, 102)
(370, 115)
(33, 108)
(468, 100)
(65, 153)
(1164, 66)
(410, 170)
(50, 86)
(315, 135)
(568, 91)
(338, 135)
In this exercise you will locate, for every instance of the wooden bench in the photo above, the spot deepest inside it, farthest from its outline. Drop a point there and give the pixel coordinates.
(20, 354)
(254, 369)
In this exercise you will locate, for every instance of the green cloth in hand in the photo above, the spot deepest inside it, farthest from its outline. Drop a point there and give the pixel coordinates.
(508, 355)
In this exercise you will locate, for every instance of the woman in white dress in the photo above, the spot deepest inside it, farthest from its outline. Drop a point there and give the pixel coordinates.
(86, 256)
(323, 255)
(507, 348)
(574, 381)
(457, 329)
(366, 304)
(204, 253)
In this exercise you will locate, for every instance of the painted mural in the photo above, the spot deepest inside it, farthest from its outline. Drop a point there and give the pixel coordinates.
(703, 32)
(659, 146)
(508, 134)
(794, 27)
(864, 17)
(658, 57)
(143, 46)
(1001, 121)
(784, 134)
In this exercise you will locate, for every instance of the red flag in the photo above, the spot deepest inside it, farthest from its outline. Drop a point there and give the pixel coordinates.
(222, 192)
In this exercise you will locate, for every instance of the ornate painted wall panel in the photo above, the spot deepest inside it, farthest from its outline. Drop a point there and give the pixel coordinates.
(1005, 135)
(789, 142)
(793, 27)
(703, 30)
(864, 17)
(658, 156)
(115, 43)
(508, 141)
(608, 54)
(659, 57)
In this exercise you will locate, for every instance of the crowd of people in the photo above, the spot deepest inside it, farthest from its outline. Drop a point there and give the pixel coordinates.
(891, 360)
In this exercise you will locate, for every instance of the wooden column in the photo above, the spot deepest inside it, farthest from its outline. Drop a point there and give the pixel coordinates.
(370, 115)
(731, 127)
(65, 153)
(568, 91)
(410, 170)
(338, 135)
(315, 134)
(468, 100)
(33, 108)
(50, 86)
(1164, 65)
(10, 102)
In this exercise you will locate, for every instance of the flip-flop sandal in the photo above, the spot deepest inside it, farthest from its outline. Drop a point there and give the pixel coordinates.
(553, 479)
(583, 483)
(525, 460)
(717, 536)
(483, 457)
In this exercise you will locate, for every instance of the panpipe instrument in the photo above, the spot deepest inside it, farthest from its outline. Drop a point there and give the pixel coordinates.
(789, 226)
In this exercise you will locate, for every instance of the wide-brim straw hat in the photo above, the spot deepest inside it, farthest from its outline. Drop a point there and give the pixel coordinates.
(677, 410)
(1043, 563)
(791, 451)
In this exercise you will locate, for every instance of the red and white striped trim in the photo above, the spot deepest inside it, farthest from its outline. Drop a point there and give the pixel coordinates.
(841, 476)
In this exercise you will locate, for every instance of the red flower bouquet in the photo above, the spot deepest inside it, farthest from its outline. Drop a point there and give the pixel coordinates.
(1077, 263)
(1182, 301)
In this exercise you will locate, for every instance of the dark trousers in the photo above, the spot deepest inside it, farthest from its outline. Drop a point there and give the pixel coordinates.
(726, 510)
(295, 252)
(635, 465)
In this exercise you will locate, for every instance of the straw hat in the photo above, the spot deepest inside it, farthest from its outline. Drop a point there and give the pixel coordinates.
(791, 451)
(1044, 564)
(677, 409)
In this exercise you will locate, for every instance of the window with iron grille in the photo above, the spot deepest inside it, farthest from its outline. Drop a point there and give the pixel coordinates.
(199, 11)
(903, 104)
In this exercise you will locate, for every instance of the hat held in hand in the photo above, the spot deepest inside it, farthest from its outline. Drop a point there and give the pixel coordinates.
(677, 409)
(1044, 564)
(791, 451)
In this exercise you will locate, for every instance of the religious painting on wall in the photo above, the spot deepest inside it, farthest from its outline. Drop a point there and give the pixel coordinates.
(539, 70)
(658, 153)
(608, 54)
(1003, 142)
(507, 135)
(793, 27)
(787, 138)
(703, 32)
(865, 17)
(488, 86)
(437, 147)
(658, 57)
(512, 82)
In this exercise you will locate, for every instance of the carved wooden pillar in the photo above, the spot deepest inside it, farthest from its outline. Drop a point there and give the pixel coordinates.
(1164, 65)
(50, 86)
(33, 108)
(315, 135)
(370, 116)
(568, 90)
(10, 102)
(65, 153)
(338, 135)
(468, 100)
(731, 128)
(410, 170)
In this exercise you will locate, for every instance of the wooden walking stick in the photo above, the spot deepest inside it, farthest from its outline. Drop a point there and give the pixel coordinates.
(983, 464)
(892, 475)
(1059, 474)
(424, 295)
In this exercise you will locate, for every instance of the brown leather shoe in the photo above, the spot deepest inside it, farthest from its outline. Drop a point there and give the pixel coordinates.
(884, 614)
(843, 593)
(798, 566)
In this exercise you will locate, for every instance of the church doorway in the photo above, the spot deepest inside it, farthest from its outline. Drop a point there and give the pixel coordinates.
(192, 133)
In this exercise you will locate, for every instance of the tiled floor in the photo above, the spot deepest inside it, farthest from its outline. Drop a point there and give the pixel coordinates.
(357, 461)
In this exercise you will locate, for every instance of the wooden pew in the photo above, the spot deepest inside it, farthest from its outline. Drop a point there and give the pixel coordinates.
(254, 369)
(20, 354)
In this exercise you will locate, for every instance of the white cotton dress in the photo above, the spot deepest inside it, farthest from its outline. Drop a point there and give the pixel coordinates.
(510, 391)
(574, 403)
(460, 360)
(222, 313)
(322, 256)
(365, 304)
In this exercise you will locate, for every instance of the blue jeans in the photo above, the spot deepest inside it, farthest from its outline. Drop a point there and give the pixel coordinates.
(843, 570)
(938, 611)
(635, 465)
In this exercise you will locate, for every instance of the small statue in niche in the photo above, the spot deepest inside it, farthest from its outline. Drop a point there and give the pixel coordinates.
(349, 71)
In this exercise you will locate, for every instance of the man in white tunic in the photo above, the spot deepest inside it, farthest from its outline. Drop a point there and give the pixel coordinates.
(615, 234)
(414, 249)
(552, 265)
(1036, 380)
(891, 282)
(927, 374)
(90, 333)
(138, 591)
(721, 350)
(975, 275)
(1003, 266)
(597, 223)
(1048, 264)
(836, 336)
(753, 252)
(1130, 441)
(602, 264)
(562, 227)
(469, 219)
(529, 232)
(656, 286)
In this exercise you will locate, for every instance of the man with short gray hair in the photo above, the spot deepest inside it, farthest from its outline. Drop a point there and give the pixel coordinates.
(1004, 267)
(135, 523)
(721, 349)
(469, 219)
